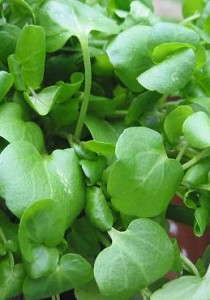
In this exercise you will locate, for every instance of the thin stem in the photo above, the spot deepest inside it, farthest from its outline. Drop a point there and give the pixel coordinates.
(56, 297)
(196, 159)
(88, 79)
(188, 265)
(3, 237)
(181, 152)
(191, 18)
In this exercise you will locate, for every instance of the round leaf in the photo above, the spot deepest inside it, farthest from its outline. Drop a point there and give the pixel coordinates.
(196, 130)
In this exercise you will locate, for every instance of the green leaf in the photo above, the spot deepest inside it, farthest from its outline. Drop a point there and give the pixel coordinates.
(44, 101)
(101, 130)
(13, 126)
(198, 174)
(42, 228)
(72, 271)
(63, 19)
(27, 176)
(30, 54)
(196, 130)
(128, 49)
(8, 36)
(93, 169)
(170, 75)
(201, 221)
(100, 147)
(91, 292)
(12, 278)
(10, 229)
(174, 121)
(190, 8)
(162, 51)
(128, 264)
(143, 180)
(185, 288)
(165, 32)
(98, 210)
(6, 81)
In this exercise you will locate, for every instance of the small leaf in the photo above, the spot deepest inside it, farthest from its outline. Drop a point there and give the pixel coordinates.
(174, 121)
(128, 264)
(128, 49)
(198, 174)
(185, 288)
(93, 169)
(43, 102)
(143, 180)
(6, 81)
(201, 221)
(196, 130)
(13, 127)
(30, 53)
(165, 32)
(100, 147)
(72, 271)
(98, 210)
(170, 75)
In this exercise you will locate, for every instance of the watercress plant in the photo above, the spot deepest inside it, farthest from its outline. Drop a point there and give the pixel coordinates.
(104, 117)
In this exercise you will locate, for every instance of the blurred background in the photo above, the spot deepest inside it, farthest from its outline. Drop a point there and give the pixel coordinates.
(169, 8)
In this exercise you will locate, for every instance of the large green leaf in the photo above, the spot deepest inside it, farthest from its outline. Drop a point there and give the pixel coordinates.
(185, 288)
(13, 127)
(30, 55)
(137, 257)
(27, 176)
(65, 18)
(72, 271)
(170, 75)
(143, 180)
(196, 130)
(128, 49)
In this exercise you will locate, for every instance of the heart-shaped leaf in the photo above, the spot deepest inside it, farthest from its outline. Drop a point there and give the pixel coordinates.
(65, 18)
(72, 272)
(12, 278)
(143, 180)
(196, 130)
(13, 127)
(26, 176)
(185, 288)
(128, 49)
(128, 264)
(170, 75)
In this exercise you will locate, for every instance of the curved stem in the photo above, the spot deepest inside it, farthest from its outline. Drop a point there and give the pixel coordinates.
(188, 265)
(181, 152)
(88, 79)
(196, 159)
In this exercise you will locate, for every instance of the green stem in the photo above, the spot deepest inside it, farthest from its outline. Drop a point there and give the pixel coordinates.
(191, 18)
(56, 297)
(3, 237)
(88, 79)
(181, 152)
(180, 214)
(188, 265)
(196, 159)
(146, 294)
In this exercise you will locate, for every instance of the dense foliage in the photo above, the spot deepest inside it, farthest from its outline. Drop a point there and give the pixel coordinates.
(104, 117)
